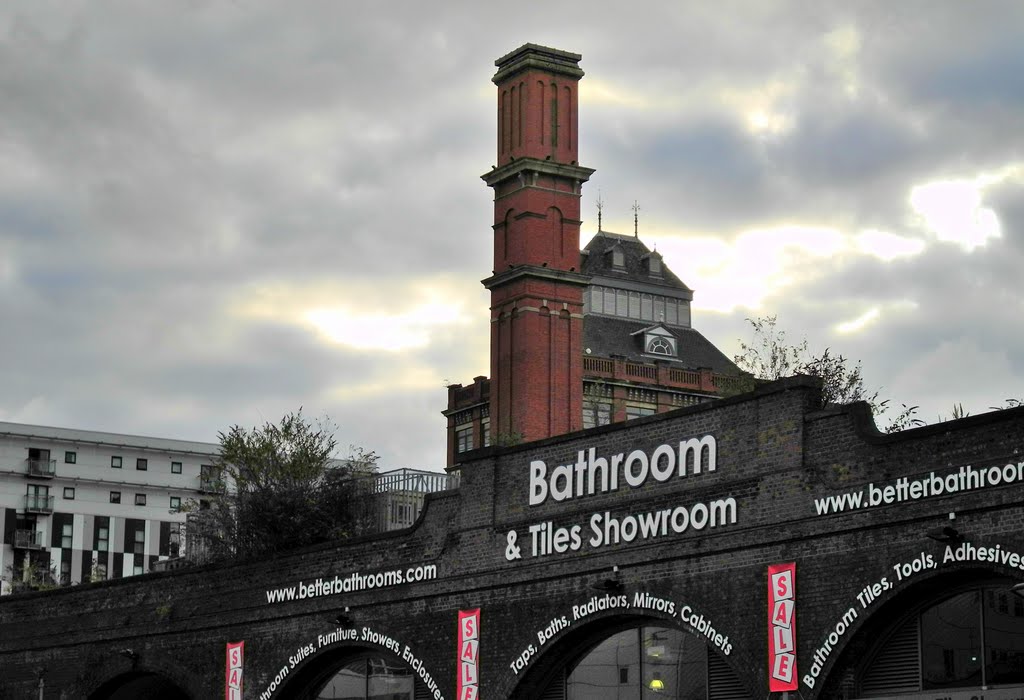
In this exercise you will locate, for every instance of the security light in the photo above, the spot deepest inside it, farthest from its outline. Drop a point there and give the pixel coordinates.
(344, 619)
(946, 534)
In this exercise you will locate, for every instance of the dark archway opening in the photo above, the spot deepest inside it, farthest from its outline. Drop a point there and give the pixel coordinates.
(140, 684)
(631, 658)
(355, 673)
(953, 635)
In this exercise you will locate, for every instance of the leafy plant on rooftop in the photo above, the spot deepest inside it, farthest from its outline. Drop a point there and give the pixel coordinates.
(281, 490)
(769, 356)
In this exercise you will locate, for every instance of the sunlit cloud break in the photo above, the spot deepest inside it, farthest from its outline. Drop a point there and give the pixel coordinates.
(860, 322)
(369, 330)
(354, 323)
(954, 209)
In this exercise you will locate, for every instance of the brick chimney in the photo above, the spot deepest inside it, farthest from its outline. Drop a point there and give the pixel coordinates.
(537, 289)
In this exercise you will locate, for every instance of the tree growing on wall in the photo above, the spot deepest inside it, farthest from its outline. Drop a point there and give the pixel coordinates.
(30, 574)
(769, 356)
(278, 489)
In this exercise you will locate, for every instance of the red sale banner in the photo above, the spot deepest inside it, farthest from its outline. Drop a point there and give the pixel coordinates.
(233, 680)
(782, 627)
(469, 654)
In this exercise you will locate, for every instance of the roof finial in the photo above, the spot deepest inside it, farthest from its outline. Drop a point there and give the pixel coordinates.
(636, 225)
(600, 206)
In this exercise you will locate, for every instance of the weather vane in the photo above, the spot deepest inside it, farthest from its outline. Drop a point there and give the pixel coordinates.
(636, 213)
(600, 206)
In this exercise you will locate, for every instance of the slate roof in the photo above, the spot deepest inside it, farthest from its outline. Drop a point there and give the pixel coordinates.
(609, 335)
(596, 261)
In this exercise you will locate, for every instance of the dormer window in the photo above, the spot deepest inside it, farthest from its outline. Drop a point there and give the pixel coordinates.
(656, 345)
(618, 257)
(658, 340)
(653, 264)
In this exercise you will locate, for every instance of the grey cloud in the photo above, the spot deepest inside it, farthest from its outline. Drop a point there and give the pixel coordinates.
(159, 186)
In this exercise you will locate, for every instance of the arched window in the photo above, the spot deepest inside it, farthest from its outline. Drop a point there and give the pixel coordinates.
(659, 345)
(367, 678)
(647, 662)
(971, 640)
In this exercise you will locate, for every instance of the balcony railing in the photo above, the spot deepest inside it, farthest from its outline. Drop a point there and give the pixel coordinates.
(28, 539)
(212, 483)
(44, 468)
(413, 481)
(38, 503)
(660, 374)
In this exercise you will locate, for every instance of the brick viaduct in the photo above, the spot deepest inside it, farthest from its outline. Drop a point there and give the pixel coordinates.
(775, 454)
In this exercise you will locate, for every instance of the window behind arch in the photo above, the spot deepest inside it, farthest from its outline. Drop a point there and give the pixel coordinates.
(970, 640)
(370, 678)
(647, 662)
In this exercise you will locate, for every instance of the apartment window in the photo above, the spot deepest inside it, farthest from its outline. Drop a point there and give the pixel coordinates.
(209, 478)
(39, 462)
(70, 458)
(37, 497)
(464, 439)
(102, 542)
(174, 540)
(115, 496)
(101, 572)
(66, 533)
(141, 464)
(65, 573)
(646, 311)
(596, 413)
(140, 499)
(137, 570)
(485, 428)
(115, 462)
(175, 503)
(609, 301)
(69, 493)
(175, 467)
(639, 411)
(140, 542)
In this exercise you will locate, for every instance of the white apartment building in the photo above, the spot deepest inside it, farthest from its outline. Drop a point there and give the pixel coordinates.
(87, 505)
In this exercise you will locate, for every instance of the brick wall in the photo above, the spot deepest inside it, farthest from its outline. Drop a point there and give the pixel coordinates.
(775, 455)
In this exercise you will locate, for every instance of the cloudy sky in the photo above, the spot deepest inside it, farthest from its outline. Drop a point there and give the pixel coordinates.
(215, 212)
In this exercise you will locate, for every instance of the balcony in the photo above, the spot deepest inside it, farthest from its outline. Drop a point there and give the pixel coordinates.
(41, 468)
(211, 484)
(660, 374)
(38, 503)
(28, 539)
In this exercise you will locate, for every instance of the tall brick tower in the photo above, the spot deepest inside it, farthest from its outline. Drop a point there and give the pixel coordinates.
(537, 288)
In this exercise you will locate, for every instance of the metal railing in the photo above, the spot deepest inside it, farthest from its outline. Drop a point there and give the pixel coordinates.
(35, 503)
(413, 481)
(42, 467)
(28, 539)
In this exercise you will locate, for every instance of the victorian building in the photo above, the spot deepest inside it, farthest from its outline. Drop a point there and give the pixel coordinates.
(578, 338)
